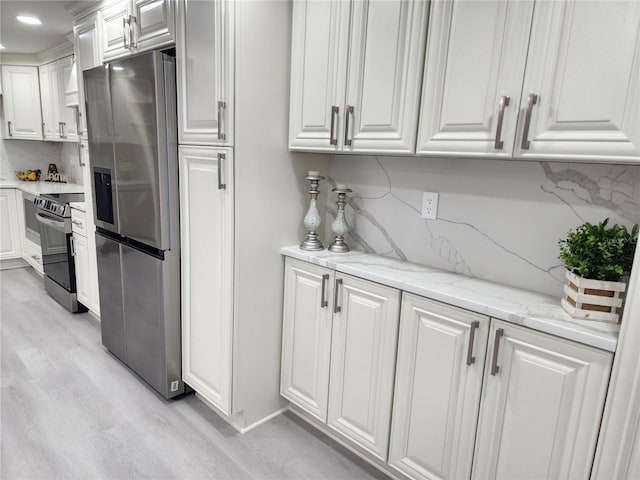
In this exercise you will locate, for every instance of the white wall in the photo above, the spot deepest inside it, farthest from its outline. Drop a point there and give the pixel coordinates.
(499, 220)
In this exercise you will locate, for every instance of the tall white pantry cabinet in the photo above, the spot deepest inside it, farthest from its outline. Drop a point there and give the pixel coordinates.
(242, 197)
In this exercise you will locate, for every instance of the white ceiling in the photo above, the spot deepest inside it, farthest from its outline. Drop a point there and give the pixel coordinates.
(20, 38)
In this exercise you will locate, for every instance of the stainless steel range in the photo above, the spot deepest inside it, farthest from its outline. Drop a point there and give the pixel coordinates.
(54, 219)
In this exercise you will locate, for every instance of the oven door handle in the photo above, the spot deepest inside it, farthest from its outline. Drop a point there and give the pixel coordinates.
(51, 221)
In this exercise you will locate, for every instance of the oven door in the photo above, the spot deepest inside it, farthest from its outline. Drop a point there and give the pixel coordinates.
(55, 241)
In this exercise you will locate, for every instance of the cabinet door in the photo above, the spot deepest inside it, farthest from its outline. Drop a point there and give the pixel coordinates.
(9, 229)
(81, 260)
(154, 23)
(48, 91)
(66, 115)
(473, 74)
(87, 43)
(205, 96)
(441, 352)
(206, 227)
(541, 406)
(583, 67)
(21, 100)
(116, 31)
(385, 75)
(363, 353)
(319, 55)
(306, 336)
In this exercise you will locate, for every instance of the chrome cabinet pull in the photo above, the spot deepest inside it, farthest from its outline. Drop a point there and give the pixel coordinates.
(496, 346)
(72, 244)
(44, 134)
(221, 134)
(323, 301)
(336, 308)
(333, 140)
(132, 33)
(472, 333)
(221, 186)
(10, 131)
(80, 162)
(125, 33)
(504, 102)
(347, 140)
(61, 129)
(80, 131)
(75, 222)
(531, 101)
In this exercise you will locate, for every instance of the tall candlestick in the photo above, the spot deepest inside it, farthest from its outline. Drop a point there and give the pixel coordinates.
(312, 218)
(339, 225)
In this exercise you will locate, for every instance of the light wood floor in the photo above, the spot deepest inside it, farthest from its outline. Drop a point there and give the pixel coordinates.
(71, 410)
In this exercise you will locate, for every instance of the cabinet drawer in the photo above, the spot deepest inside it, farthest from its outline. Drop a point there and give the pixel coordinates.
(79, 222)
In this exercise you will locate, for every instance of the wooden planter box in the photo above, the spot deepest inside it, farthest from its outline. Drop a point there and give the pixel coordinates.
(593, 299)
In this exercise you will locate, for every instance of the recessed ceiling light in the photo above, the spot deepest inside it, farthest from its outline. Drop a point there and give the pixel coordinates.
(29, 20)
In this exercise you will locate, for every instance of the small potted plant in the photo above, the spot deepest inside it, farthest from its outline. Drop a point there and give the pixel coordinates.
(596, 257)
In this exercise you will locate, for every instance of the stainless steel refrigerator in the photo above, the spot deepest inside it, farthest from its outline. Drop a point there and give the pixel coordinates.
(131, 119)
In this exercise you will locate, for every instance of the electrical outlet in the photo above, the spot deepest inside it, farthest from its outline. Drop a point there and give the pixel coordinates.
(430, 205)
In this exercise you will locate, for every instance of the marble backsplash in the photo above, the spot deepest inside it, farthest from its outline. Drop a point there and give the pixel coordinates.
(497, 220)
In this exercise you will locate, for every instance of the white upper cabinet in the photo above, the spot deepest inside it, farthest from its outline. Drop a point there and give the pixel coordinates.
(21, 101)
(205, 108)
(441, 353)
(583, 69)
(534, 80)
(87, 42)
(356, 72)
(58, 120)
(476, 54)
(132, 26)
(541, 406)
(116, 30)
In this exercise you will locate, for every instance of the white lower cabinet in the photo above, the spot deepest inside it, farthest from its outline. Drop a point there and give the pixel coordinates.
(306, 344)
(474, 397)
(9, 226)
(86, 268)
(441, 353)
(207, 242)
(541, 406)
(351, 324)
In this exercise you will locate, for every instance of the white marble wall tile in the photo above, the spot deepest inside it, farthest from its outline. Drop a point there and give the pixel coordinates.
(20, 155)
(498, 220)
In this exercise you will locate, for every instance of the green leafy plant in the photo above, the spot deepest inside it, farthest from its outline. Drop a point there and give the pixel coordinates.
(599, 252)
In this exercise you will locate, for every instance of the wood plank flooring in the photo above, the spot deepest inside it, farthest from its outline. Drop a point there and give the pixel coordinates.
(71, 410)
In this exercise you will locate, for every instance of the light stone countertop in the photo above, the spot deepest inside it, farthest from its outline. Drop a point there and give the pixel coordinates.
(530, 309)
(40, 187)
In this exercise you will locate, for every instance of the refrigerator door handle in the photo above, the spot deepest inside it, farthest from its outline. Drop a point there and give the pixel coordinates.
(221, 186)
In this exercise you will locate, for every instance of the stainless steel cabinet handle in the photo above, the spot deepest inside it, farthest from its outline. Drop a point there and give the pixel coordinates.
(496, 346)
(125, 34)
(61, 129)
(221, 186)
(336, 308)
(80, 131)
(472, 334)
(531, 101)
(132, 33)
(504, 101)
(333, 140)
(347, 140)
(75, 222)
(323, 301)
(44, 134)
(73, 246)
(10, 131)
(35, 257)
(221, 134)
(80, 162)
